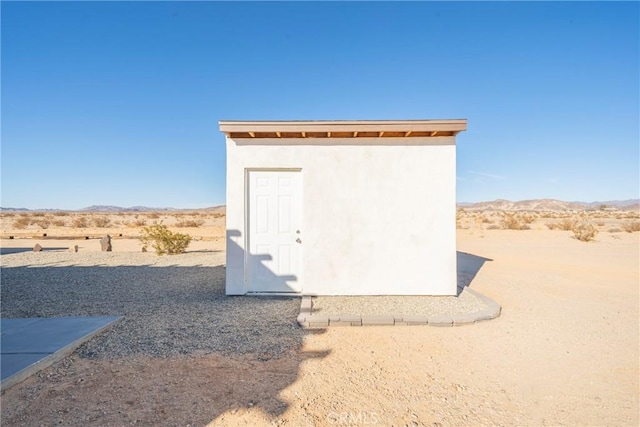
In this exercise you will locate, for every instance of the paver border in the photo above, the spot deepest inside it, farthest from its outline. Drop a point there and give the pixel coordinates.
(308, 320)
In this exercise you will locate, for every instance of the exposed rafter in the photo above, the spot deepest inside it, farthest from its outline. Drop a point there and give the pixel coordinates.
(343, 128)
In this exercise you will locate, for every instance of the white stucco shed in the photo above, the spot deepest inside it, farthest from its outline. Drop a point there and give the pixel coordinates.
(341, 207)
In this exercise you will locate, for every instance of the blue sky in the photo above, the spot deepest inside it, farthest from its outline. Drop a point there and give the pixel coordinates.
(118, 102)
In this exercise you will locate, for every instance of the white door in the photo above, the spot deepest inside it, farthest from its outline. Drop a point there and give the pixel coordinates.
(275, 235)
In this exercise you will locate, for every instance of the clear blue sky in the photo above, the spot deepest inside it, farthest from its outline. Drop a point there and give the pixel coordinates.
(118, 102)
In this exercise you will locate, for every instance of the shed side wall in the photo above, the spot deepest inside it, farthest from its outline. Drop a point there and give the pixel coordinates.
(378, 219)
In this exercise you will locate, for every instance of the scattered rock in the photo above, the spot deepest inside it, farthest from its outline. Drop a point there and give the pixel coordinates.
(263, 357)
(105, 243)
(37, 248)
(73, 248)
(144, 249)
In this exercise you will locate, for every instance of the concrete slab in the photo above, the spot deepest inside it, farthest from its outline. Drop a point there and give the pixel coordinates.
(29, 345)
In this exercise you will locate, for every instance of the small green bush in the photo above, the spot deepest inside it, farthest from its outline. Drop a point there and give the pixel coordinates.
(164, 241)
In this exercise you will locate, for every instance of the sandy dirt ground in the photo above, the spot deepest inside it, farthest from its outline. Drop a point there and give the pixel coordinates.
(565, 351)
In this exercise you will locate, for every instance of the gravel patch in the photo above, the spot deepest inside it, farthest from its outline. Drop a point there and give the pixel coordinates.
(172, 305)
(464, 303)
(397, 305)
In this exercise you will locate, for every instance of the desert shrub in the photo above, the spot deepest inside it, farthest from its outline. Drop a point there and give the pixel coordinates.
(631, 227)
(80, 222)
(515, 221)
(8, 215)
(218, 215)
(615, 230)
(460, 214)
(190, 223)
(22, 222)
(38, 214)
(584, 231)
(43, 223)
(153, 215)
(58, 222)
(600, 223)
(567, 224)
(140, 222)
(163, 240)
(101, 221)
(62, 213)
(493, 227)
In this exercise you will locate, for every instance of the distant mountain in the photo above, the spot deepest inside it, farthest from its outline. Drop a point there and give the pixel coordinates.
(14, 209)
(109, 208)
(550, 205)
(29, 210)
(495, 205)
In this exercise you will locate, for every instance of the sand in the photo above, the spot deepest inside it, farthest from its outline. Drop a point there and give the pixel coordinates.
(565, 351)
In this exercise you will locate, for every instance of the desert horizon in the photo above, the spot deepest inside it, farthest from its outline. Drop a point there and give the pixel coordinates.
(540, 204)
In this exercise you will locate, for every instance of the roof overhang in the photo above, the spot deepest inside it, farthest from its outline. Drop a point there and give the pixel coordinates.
(343, 128)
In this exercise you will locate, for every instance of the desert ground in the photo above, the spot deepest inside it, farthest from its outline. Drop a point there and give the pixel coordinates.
(564, 351)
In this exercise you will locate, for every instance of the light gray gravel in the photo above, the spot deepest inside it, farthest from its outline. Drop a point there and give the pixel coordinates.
(171, 305)
(397, 305)
(464, 303)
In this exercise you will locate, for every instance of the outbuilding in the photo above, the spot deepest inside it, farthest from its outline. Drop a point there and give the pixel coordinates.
(341, 207)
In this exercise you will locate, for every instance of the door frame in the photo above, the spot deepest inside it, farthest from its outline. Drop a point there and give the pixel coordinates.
(247, 234)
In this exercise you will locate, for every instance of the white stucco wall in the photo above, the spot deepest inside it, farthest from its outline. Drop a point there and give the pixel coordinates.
(378, 217)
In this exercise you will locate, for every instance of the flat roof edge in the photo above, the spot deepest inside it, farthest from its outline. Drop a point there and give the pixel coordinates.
(446, 125)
